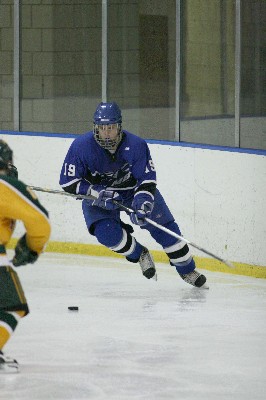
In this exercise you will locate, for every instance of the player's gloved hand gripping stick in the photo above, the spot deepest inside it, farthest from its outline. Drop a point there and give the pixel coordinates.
(130, 212)
(142, 208)
(104, 198)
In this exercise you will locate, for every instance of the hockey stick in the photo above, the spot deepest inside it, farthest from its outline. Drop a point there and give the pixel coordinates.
(53, 191)
(129, 211)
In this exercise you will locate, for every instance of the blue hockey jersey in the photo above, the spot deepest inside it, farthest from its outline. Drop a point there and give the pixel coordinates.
(128, 170)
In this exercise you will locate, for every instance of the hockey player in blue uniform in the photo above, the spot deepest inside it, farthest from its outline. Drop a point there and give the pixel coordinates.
(113, 164)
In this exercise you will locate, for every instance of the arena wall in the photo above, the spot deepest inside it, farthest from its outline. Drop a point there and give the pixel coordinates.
(217, 196)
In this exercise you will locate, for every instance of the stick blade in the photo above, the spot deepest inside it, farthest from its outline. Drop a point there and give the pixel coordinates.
(155, 278)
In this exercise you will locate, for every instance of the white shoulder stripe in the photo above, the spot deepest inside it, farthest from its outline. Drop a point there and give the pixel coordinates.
(71, 182)
(145, 192)
(148, 181)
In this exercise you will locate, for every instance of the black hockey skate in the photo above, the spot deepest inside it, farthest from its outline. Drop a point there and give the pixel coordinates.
(196, 279)
(147, 264)
(8, 365)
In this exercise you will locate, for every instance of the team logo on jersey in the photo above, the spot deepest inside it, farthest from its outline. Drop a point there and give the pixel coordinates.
(121, 178)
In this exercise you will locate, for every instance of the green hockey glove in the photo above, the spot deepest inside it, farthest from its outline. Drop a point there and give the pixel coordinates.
(23, 254)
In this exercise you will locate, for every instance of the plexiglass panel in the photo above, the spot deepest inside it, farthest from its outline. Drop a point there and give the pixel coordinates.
(6, 65)
(61, 77)
(207, 72)
(141, 65)
(61, 65)
(253, 82)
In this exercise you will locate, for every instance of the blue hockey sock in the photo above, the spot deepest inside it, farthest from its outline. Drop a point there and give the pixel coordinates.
(177, 250)
(108, 232)
(112, 234)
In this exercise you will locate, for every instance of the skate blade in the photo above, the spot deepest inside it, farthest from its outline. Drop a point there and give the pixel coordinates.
(9, 369)
(204, 286)
(155, 277)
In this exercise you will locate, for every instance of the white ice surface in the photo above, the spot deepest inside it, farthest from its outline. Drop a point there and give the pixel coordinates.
(134, 338)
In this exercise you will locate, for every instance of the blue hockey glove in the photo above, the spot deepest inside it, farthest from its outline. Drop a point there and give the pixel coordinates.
(142, 208)
(105, 197)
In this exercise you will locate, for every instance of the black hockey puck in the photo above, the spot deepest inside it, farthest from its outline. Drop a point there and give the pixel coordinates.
(73, 308)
